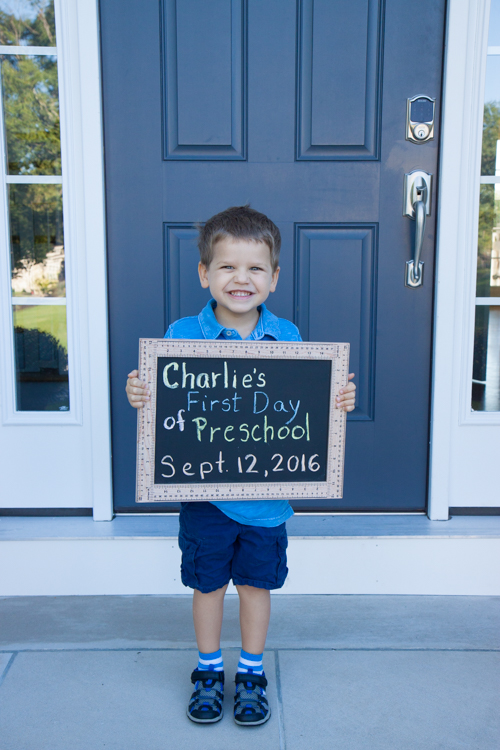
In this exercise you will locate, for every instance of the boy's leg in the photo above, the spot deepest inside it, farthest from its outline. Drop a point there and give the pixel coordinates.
(259, 565)
(206, 539)
(207, 616)
(250, 702)
(255, 611)
(205, 705)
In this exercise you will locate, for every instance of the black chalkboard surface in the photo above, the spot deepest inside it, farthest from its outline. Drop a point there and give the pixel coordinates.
(242, 420)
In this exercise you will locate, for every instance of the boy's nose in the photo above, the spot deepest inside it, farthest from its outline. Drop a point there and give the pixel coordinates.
(241, 276)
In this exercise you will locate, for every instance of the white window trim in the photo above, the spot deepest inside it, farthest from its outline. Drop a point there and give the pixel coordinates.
(85, 237)
(467, 416)
(69, 182)
(470, 199)
(456, 261)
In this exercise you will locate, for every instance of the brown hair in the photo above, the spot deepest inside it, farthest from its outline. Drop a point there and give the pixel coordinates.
(240, 223)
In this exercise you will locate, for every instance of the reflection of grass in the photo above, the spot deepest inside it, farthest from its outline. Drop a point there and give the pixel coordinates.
(48, 318)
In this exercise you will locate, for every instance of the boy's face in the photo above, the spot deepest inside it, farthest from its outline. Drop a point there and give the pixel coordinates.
(240, 275)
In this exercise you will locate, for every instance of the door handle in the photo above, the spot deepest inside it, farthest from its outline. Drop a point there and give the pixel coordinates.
(417, 206)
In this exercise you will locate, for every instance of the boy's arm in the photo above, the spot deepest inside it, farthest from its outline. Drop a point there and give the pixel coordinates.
(136, 390)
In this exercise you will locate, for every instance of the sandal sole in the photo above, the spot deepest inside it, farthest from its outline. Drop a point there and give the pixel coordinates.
(253, 723)
(204, 721)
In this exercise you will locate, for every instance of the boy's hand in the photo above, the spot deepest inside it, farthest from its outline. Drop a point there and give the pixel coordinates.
(347, 396)
(137, 392)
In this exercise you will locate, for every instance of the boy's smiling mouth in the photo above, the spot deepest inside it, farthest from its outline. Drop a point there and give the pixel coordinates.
(240, 293)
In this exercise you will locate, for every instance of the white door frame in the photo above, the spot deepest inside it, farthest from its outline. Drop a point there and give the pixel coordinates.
(462, 442)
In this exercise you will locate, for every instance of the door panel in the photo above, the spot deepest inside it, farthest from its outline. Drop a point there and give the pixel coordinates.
(299, 108)
(338, 79)
(204, 68)
(325, 256)
(182, 296)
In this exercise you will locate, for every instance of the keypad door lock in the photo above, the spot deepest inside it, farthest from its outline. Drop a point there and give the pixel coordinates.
(420, 111)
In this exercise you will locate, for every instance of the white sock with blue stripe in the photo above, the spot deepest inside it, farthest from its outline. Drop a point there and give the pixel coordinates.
(211, 662)
(250, 663)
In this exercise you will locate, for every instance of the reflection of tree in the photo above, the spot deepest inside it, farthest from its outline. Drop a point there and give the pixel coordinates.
(491, 134)
(488, 210)
(36, 225)
(37, 27)
(31, 111)
(40, 352)
(41, 371)
(487, 220)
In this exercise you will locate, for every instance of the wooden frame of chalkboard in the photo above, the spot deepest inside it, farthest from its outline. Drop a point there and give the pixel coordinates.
(275, 435)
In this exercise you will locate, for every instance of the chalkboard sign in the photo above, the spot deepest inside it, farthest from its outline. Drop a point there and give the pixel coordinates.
(240, 420)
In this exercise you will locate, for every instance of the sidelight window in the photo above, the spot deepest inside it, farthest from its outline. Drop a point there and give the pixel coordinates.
(486, 367)
(33, 243)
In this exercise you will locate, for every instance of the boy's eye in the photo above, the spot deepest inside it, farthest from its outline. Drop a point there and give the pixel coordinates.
(256, 268)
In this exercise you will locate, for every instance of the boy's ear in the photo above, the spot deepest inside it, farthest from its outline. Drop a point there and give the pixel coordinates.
(203, 274)
(274, 281)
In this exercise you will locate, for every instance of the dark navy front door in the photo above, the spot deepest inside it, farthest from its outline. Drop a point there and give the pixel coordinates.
(298, 108)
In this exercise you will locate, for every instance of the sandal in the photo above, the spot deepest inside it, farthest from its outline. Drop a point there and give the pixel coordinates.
(205, 704)
(250, 702)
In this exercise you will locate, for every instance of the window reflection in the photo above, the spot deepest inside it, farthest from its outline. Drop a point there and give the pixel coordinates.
(27, 22)
(31, 114)
(494, 29)
(491, 137)
(41, 357)
(486, 373)
(488, 259)
(36, 240)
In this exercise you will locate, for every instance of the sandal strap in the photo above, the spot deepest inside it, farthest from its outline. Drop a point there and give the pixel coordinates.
(201, 675)
(197, 693)
(260, 702)
(254, 679)
(212, 702)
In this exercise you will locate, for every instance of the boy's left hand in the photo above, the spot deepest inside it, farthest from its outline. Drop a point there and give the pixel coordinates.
(347, 396)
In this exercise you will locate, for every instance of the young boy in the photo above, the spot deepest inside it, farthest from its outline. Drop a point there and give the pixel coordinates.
(240, 540)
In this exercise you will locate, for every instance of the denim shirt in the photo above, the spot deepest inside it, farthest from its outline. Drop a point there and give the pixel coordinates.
(269, 328)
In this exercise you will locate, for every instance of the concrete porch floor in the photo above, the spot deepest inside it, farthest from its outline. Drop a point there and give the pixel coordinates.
(350, 672)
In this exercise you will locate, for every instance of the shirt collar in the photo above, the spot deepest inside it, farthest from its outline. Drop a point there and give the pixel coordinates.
(267, 325)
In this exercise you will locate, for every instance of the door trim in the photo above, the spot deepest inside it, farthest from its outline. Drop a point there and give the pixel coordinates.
(464, 75)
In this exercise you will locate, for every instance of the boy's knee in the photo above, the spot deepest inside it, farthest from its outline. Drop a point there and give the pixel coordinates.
(215, 594)
(245, 590)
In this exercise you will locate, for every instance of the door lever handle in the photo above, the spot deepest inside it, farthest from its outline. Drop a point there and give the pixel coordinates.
(417, 205)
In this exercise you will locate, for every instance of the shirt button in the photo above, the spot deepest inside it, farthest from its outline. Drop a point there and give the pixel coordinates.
(229, 333)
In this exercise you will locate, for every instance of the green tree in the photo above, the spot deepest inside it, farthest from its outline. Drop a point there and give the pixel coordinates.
(36, 222)
(31, 114)
(491, 134)
(488, 208)
(32, 24)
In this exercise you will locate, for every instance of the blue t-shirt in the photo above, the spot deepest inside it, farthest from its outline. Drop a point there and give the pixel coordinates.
(268, 328)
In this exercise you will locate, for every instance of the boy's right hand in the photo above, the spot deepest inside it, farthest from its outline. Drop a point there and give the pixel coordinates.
(137, 392)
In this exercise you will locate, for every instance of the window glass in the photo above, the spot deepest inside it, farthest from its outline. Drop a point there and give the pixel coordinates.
(486, 367)
(41, 361)
(32, 173)
(492, 82)
(36, 240)
(27, 22)
(491, 138)
(488, 257)
(494, 32)
(486, 372)
(31, 114)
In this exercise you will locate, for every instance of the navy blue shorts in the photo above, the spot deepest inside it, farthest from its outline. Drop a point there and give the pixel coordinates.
(216, 549)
